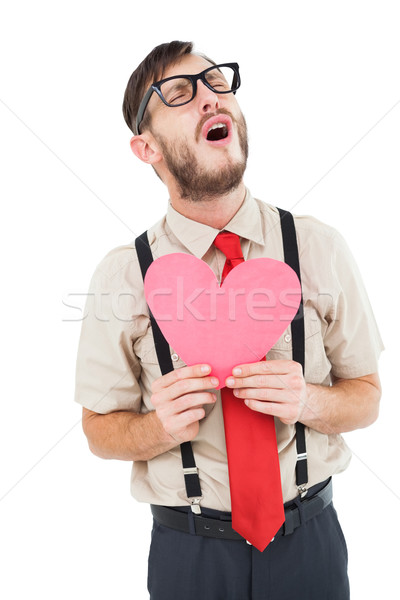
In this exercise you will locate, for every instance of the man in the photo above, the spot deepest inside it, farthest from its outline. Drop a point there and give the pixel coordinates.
(190, 129)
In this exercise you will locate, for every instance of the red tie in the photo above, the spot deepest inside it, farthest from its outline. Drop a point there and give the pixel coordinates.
(254, 473)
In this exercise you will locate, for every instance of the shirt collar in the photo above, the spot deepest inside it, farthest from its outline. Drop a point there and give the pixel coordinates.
(197, 238)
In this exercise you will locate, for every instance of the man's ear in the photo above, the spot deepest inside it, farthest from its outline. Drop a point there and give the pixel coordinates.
(146, 149)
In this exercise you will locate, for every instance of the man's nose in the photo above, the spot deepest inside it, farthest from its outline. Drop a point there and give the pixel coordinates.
(207, 100)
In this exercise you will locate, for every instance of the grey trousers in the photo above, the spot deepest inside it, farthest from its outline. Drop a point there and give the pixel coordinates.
(309, 564)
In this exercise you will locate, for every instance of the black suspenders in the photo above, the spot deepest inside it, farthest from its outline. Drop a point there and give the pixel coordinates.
(291, 254)
(190, 471)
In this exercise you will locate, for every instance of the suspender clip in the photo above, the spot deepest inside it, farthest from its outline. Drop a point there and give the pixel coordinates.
(195, 505)
(302, 490)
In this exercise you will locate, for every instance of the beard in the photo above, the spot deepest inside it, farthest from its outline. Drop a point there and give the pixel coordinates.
(196, 182)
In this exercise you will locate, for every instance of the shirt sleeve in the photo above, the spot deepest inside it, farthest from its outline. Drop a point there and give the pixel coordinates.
(352, 340)
(107, 370)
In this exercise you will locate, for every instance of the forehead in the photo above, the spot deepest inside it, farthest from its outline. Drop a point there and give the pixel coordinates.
(190, 64)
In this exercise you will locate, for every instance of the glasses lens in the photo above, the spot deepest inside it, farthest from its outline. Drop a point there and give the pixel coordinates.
(222, 79)
(177, 91)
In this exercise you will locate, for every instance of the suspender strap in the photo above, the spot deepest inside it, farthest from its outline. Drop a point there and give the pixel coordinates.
(162, 348)
(291, 255)
(190, 471)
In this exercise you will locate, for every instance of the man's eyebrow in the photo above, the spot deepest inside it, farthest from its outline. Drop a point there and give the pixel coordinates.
(215, 74)
(176, 85)
(179, 82)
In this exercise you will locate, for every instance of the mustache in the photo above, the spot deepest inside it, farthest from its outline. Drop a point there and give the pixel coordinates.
(221, 111)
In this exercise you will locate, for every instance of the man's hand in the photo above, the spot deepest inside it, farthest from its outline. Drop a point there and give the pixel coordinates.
(178, 398)
(274, 387)
(278, 388)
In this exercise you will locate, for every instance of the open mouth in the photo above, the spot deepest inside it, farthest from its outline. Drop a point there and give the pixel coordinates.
(218, 131)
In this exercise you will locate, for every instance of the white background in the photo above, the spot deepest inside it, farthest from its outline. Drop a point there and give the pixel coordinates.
(321, 95)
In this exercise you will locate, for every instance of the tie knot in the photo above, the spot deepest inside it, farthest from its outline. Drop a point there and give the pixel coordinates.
(229, 244)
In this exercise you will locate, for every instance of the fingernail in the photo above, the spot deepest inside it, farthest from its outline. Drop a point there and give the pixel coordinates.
(205, 368)
(237, 371)
(230, 381)
(214, 381)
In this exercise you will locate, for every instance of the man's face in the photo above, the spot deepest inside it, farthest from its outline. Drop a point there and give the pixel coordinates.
(202, 167)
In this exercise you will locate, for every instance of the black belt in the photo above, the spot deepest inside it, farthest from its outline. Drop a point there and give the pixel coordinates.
(300, 512)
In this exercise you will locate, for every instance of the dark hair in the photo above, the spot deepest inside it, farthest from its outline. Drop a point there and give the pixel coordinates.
(150, 69)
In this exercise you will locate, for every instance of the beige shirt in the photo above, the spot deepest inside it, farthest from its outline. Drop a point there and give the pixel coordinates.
(117, 361)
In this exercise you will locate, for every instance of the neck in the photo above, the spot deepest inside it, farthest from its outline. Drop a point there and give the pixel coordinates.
(214, 211)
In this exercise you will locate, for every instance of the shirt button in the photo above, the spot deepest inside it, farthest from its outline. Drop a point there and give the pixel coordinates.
(287, 337)
(174, 357)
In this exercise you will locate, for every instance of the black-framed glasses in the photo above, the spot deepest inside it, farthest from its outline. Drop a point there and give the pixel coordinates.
(181, 89)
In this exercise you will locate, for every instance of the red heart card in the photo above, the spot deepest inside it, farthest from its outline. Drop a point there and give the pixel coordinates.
(227, 325)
